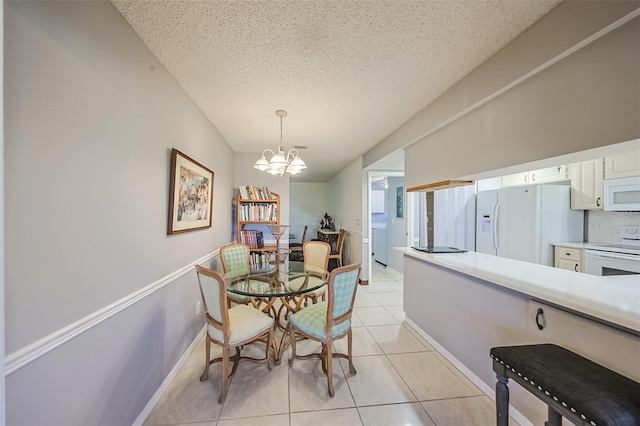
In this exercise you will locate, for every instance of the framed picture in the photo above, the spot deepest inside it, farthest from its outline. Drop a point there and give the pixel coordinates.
(399, 201)
(190, 194)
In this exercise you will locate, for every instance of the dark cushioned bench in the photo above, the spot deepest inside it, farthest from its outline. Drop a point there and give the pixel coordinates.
(584, 392)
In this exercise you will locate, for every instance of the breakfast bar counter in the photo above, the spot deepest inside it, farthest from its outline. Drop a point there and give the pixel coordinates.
(466, 303)
(614, 299)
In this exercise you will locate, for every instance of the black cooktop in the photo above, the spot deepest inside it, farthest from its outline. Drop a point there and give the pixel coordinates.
(439, 249)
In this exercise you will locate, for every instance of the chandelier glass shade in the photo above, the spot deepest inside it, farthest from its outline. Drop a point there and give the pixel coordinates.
(280, 163)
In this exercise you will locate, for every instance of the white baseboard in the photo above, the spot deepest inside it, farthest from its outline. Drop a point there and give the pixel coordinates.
(393, 271)
(486, 389)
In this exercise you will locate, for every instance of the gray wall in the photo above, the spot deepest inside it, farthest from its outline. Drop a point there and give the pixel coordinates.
(346, 206)
(309, 202)
(584, 101)
(465, 316)
(580, 93)
(100, 302)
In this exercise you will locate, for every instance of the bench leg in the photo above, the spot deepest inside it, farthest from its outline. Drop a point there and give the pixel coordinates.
(502, 401)
(555, 419)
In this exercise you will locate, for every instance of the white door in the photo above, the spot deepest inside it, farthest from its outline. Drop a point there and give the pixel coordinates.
(380, 249)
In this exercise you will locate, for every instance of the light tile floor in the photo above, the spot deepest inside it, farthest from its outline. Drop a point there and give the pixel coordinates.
(400, 379)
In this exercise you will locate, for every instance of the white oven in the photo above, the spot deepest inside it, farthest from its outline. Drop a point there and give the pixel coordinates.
(600, 262)
(615, 259)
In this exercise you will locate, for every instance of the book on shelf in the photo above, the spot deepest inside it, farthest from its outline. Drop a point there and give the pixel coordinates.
(251, 192)
(249, 238)
(243, 192)
(258, 212)
(252, 238)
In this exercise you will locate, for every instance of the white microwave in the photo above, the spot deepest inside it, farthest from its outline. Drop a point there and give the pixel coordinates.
(622, 194)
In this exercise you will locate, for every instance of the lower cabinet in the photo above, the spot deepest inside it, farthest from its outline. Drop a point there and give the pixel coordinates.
(569, 258)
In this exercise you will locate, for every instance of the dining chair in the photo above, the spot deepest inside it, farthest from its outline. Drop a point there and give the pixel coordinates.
(316, 261)
(326, 322)
(337, 253)
(235, 259)
(230, 327)
(298, 246)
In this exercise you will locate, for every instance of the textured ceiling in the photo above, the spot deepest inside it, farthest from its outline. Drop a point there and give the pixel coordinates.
(347, 72)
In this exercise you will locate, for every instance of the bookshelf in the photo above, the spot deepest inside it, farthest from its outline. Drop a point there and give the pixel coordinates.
(256, 206)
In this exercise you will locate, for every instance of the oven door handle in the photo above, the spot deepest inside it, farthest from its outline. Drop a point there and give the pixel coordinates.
(609, 255)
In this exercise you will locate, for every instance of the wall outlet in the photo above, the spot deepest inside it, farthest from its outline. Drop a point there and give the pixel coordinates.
(198, 308)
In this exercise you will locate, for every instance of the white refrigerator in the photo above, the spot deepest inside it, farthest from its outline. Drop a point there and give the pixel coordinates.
(521, 222)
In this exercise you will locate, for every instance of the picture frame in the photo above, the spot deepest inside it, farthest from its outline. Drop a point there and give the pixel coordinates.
(190, 194)
(400, 201)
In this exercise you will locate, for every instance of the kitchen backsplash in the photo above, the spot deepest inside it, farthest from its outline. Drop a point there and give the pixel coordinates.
(604, 227)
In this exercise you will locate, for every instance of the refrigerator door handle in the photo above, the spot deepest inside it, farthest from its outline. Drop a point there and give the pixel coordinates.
(494, 228)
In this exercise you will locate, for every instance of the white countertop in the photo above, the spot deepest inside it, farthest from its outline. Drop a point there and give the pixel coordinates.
(581, 245)
(614, 299)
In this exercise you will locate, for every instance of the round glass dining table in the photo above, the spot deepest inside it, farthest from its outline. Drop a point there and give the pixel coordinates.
(279, 291)
(286, 280)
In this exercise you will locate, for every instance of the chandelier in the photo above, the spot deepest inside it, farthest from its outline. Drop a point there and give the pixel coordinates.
(279, 164)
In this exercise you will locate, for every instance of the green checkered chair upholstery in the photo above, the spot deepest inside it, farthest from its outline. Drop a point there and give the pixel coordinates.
(235, 264)
(230, 328)
(328, 321)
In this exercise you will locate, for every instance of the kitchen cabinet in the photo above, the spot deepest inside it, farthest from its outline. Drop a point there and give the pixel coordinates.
(546, 175)
(569, 258)
(377, 201)
(549, 174)
(622, 165)
(516, 179)
(587, 181)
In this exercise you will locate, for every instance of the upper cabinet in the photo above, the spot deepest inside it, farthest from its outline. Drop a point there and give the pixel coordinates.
(546, 175)
(516, 179)
(550, 174)
(621, 166)
(377, 201)
(587, 185)
(587, 177)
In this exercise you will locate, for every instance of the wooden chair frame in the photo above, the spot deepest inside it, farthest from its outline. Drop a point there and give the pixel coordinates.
(339, 245)
(298, 246)
(224, 327)
(225, 267)
(315, 269)
(326, 355)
